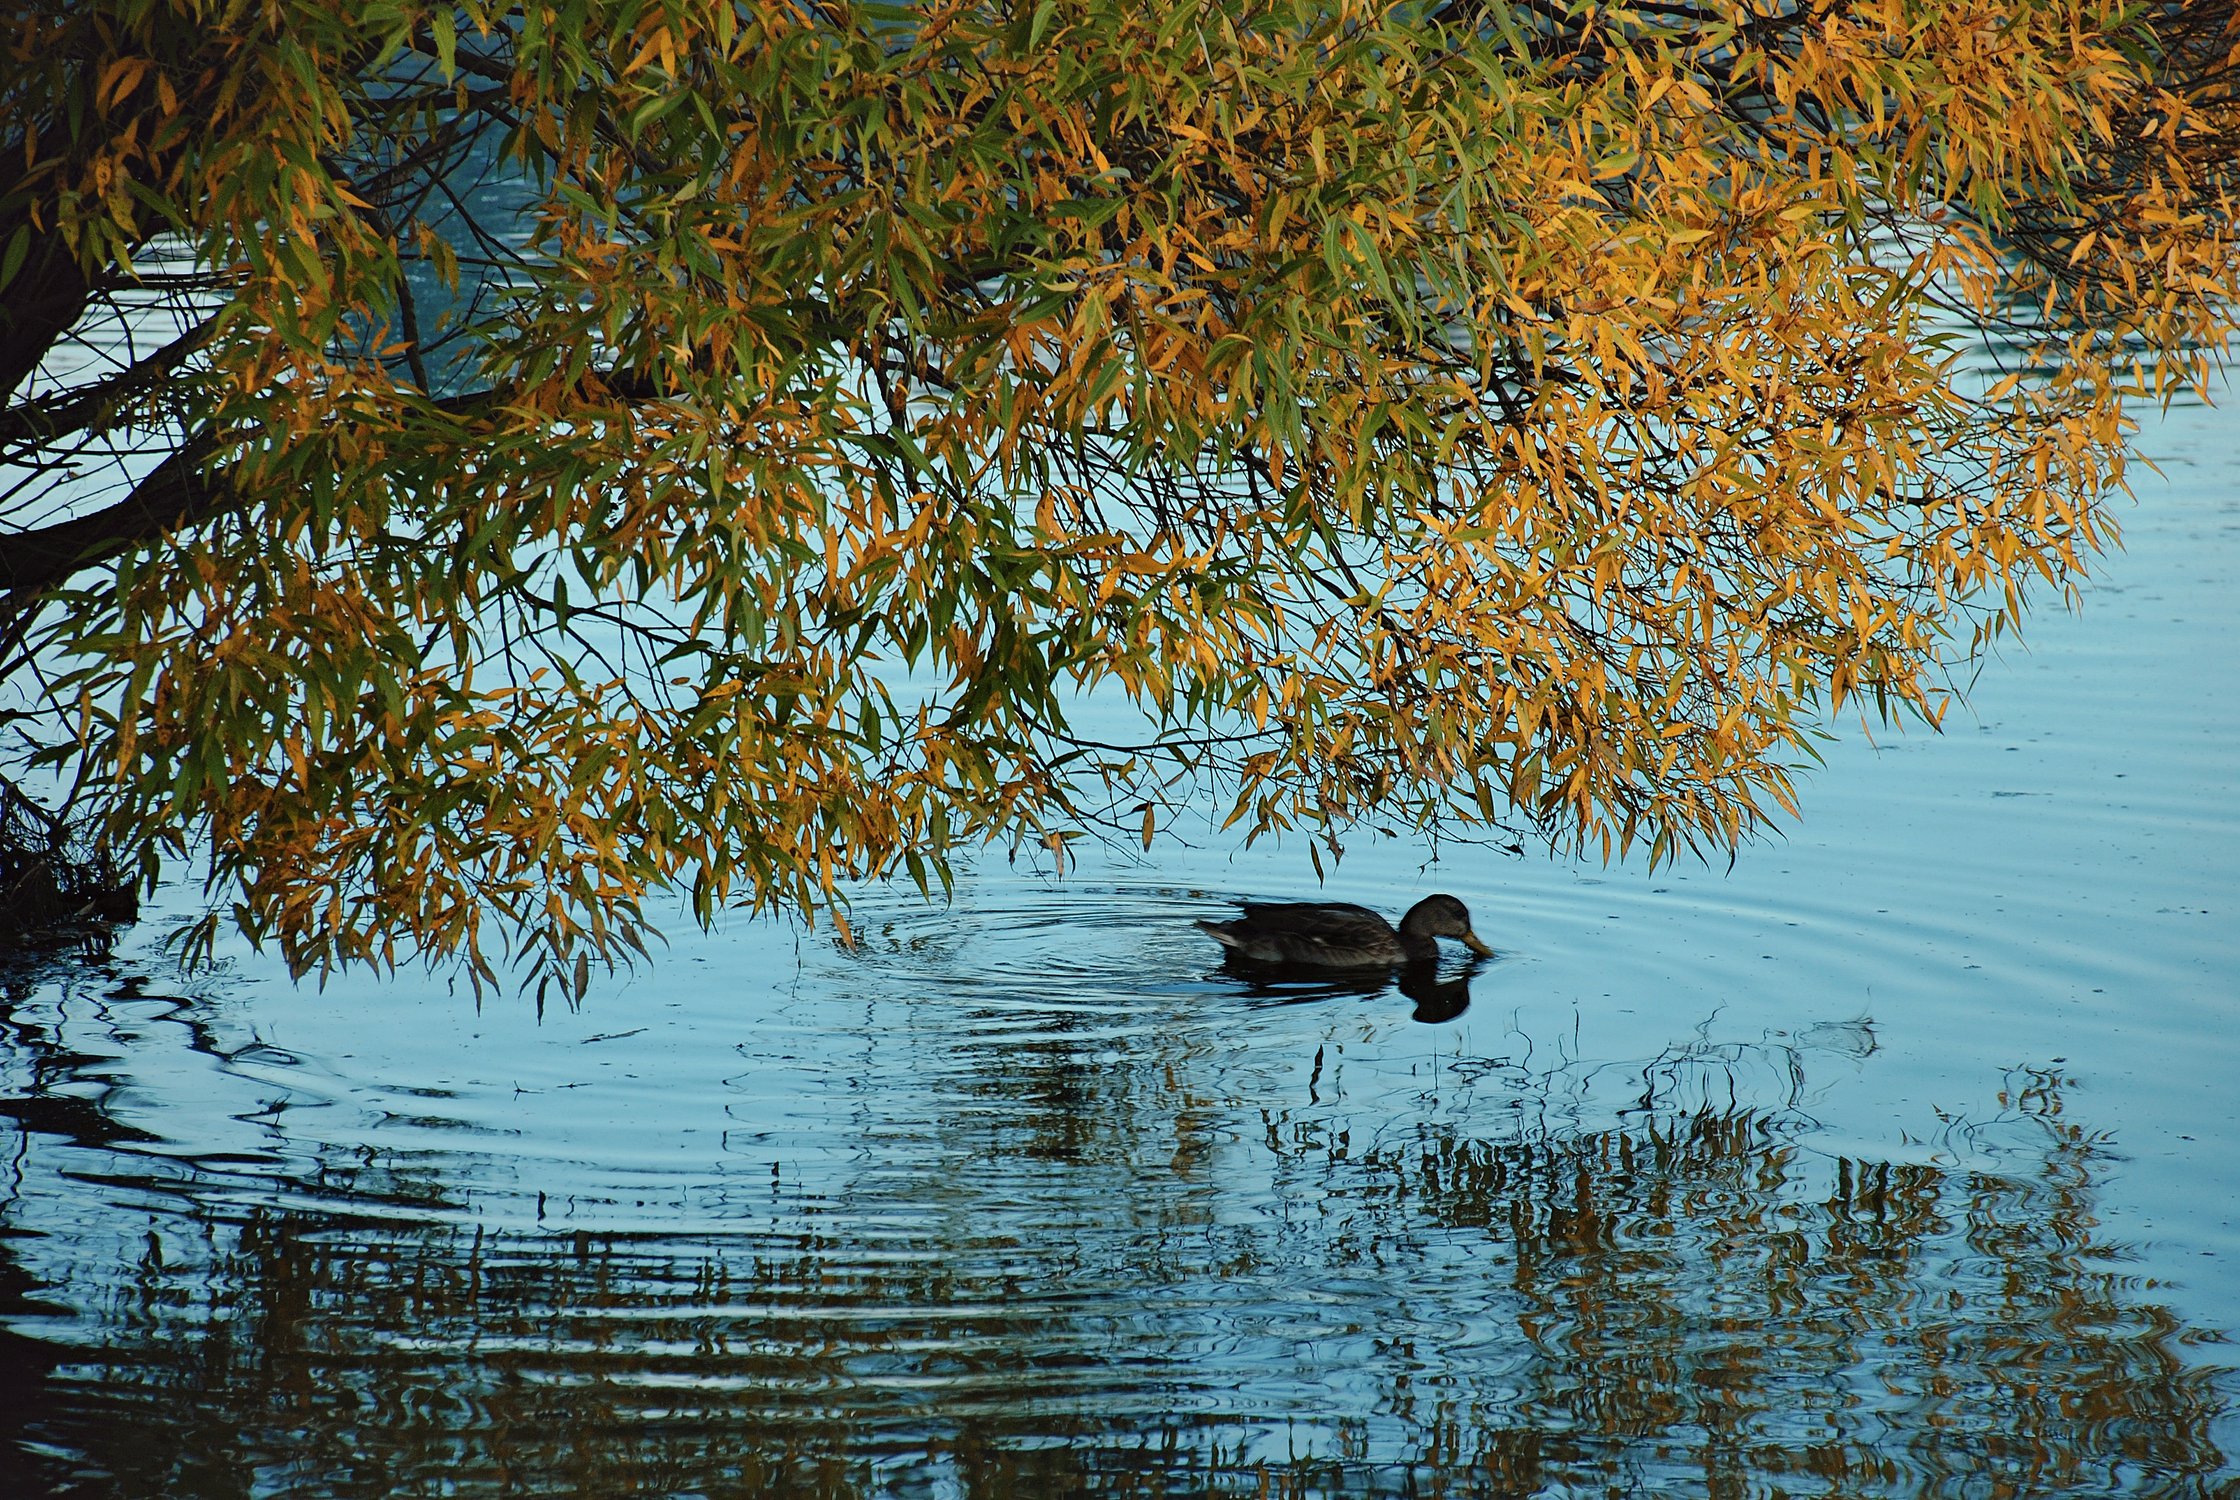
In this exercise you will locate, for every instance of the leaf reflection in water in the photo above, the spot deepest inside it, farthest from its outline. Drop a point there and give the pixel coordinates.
(1688, 1301)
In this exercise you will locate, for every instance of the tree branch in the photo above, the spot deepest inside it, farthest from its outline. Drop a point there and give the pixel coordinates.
(33, 424)
(177, 492)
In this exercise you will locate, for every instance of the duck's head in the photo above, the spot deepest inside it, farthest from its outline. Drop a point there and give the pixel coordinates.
(1442, 916)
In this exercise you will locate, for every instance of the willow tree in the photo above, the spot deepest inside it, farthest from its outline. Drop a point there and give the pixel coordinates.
(475, 467)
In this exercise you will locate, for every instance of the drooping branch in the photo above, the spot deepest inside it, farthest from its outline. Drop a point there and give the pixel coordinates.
(185, 490)
(34, 424)
(179, 491)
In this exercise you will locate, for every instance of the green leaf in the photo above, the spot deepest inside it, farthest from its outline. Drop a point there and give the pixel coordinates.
(446, 29)
(11, 259)
(1044, 13)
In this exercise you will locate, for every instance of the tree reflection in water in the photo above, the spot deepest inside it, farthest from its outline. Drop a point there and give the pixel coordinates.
(1689, 1301)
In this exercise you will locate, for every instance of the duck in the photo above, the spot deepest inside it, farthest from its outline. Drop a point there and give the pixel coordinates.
(1340, 935)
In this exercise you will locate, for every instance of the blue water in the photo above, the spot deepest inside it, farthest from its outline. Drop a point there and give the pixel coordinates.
(1897, 1159)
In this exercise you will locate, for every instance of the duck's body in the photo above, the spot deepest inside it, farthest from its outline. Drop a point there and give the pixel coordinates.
(1340, 935)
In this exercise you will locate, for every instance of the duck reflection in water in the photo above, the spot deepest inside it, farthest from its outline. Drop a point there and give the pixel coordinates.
(1436, 998)
(1310, 950)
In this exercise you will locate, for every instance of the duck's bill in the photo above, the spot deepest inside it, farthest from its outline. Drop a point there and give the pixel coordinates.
(1470, 941)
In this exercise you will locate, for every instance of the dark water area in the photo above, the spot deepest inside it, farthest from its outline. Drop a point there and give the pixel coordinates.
(1899, 1159)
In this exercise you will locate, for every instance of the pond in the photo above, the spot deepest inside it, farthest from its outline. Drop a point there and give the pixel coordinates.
(1897, 1159)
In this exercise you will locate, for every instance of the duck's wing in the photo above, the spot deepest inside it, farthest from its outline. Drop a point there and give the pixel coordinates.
(1340, 921)
(1334, 934)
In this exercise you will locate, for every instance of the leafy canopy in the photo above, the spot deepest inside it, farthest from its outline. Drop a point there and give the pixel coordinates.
(479, 466)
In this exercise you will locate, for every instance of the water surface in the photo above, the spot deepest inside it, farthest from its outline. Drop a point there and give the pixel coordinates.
(1898, 1159)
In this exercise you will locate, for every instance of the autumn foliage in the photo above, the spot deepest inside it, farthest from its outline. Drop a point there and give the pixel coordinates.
(478, 467)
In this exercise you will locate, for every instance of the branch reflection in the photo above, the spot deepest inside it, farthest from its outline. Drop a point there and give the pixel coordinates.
(1179, 1293)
